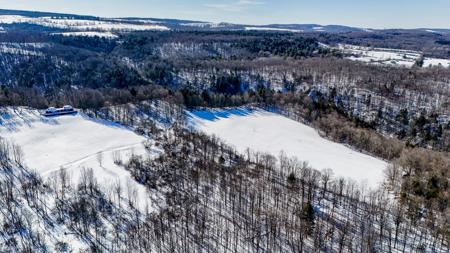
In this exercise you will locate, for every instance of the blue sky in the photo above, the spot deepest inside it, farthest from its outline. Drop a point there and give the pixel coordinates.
(361, 13)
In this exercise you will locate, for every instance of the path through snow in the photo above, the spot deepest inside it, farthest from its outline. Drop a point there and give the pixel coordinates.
(75, 142)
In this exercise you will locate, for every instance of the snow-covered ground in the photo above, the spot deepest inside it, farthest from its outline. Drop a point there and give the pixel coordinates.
(269, 132)
(80, 24)
(205, 24)
(75, 142)
(106, 35)
(319, 29)
(429, 62)
(138, 20)
(27, 49)
(387, 56)
(380, 55)
(259, 28)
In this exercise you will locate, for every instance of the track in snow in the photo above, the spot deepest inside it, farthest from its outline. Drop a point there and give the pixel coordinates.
(74, 142)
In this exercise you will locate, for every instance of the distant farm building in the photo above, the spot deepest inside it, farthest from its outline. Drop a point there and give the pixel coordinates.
(52, 111)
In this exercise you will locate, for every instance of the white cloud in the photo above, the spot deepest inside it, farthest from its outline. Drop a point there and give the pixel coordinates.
(240, 5)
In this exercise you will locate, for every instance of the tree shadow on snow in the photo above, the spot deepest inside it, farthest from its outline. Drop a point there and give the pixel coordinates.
(104, 122)
(14, 119)
(217, 114)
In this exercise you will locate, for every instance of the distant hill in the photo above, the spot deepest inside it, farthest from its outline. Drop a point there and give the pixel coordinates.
(189, 25)
(43, 14)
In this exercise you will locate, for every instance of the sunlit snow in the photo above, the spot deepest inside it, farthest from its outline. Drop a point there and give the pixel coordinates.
(269, 132)
(256, 28)
(388, 56)
(74, 142)
(106, 35)
(80, 24)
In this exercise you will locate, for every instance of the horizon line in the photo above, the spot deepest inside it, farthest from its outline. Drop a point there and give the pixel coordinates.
(226, 22)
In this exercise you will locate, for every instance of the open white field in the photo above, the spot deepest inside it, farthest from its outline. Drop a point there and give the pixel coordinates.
(387, 56)
(269, 132)
(106, 35)
(81, 24)
(74, 142)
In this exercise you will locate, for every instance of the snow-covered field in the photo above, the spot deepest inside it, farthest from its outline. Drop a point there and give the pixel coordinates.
(138, 20)
(75, 142)
(380, 55)
(81, 24)
(258, 28)
(429, 62)
(319, 29)
(269, 132)
(106, 35)
(205, 24)
(387, 56)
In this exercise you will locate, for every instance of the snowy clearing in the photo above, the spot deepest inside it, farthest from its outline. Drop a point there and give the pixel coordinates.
(106, 35)
(431, 62)
(319, 29)
(269, 132)
(75, 142)
(383, 56)
(388, 56)
(205, 24)
(80, 24)
(255, 28)
(144, 21)
(12, 19)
